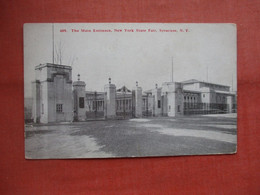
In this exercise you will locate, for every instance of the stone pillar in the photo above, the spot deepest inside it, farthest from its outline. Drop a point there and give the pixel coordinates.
(179, 105)
(164, 103)
(169, 89)
(138, 101)
(36, 114)
(79, 100)
(229, 104)
(110, 100)
(157, 104)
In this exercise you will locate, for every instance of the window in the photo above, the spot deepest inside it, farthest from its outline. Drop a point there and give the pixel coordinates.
(159, 103)
(169, 108)
(93, 105)
(179, 108)
(130, 104)
(81, 102)
(59, 108)
(203, 95)
(42, 108)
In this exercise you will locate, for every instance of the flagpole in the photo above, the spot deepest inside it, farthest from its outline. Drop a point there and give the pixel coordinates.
(52, 43)
(172, 68)
(232, 84)
(207, 74)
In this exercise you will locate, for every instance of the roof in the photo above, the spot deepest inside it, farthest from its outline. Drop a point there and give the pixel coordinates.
(79, 83)
(225, 92)
(52, 65)
(197, 81)
(123, 89)
(151, 90)
(190, 81)
(94, 92)
(191, 91)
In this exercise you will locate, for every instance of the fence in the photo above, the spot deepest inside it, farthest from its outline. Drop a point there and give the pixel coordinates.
(206, 108)
(147, 113)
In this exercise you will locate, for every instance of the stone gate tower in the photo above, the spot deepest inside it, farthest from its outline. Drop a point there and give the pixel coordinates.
(110, 100)
(79, 99)
(52, 93)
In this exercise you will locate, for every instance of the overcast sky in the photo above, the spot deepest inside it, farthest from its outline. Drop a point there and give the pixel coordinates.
(128, 57)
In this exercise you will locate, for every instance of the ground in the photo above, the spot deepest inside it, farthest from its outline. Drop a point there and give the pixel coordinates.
(163, 136)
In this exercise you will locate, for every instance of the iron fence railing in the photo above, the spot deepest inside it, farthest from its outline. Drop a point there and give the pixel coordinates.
(206, 108)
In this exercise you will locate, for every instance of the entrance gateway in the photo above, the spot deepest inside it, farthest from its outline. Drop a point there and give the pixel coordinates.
(57, 99)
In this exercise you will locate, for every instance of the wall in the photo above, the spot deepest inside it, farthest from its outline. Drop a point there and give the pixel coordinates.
(179, 106)
(36, 101)
(53, 87)
(157, 101)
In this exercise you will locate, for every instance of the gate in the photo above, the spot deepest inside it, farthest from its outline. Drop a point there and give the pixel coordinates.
(94, 105)
(125, 101)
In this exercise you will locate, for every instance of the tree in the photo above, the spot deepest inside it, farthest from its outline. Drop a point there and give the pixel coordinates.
(59, 55)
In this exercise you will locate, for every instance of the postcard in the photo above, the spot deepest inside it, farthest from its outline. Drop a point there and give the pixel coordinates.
(112, 90)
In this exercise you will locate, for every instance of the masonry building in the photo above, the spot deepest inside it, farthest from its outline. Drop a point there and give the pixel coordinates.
(56, 98)
(52, 94)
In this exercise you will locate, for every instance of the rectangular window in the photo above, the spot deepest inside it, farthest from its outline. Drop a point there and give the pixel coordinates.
(159, 103)
(93, 105)
(81, 102)
(179, 108)
(59, 108)
(42, 108)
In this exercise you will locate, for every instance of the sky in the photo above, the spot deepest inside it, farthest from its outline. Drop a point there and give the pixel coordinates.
(206, 52)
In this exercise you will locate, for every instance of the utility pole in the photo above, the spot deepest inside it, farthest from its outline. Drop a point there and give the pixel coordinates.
(207, 73)
(172, 68)
(52, 43)
(232, 83)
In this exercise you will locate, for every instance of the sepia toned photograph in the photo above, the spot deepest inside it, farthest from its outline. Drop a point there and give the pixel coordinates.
(112, 90)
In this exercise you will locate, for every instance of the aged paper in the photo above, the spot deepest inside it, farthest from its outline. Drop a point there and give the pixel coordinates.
(101, 90)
